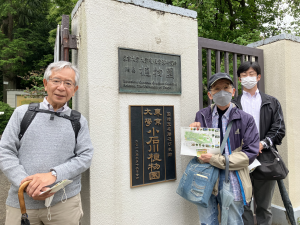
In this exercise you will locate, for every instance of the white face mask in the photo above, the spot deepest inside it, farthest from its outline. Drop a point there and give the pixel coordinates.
(249, 82)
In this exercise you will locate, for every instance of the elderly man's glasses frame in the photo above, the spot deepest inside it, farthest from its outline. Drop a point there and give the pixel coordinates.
(57, 82)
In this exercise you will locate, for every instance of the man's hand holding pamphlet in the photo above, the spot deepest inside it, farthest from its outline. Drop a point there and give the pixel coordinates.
(198, 141)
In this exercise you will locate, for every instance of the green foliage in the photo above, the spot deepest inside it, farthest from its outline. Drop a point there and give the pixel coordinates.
(37, 89)
(57, 9)
(294, 10)
(8, 111)
(27, 36)
(236, 21)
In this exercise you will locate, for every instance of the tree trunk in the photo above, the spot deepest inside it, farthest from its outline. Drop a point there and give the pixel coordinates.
(10, 27)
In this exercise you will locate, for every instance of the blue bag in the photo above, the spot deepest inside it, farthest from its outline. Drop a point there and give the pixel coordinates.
(197, 182)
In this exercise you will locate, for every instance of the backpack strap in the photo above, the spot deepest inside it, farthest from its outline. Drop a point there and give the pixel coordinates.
(34, 108)
(28, 117)
(75, 121)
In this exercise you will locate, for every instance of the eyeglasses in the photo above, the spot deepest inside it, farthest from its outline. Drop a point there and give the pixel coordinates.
(251, 74)
(57, 82)
(225, 87)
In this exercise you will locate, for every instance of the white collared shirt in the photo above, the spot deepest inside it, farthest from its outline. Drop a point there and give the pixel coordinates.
(251, 105)
(48, 106)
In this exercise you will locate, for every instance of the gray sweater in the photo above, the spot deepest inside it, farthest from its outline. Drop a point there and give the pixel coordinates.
(47, 144)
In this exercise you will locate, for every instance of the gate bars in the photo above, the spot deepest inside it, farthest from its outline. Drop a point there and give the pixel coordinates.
(237, 50)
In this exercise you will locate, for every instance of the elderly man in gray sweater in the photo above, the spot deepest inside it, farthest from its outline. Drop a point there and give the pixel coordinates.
(47, 153)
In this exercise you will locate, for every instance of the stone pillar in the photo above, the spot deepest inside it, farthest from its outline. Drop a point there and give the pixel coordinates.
(102, 27)
(281, 58)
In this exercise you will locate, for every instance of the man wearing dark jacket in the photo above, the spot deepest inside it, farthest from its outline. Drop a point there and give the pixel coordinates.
(268, 117)
(241, 148)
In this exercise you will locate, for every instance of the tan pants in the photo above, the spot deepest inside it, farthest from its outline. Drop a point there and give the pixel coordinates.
(68, 213)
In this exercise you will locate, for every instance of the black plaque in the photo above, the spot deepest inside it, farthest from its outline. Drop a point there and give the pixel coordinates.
(152, 144)
(149, 72)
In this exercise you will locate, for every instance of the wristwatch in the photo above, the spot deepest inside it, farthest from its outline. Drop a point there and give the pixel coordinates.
(264, 144)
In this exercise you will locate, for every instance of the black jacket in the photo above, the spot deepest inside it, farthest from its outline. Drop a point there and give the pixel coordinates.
(271, 124)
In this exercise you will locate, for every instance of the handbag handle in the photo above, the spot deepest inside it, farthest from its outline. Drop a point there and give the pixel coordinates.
(222, 149)
(21, 196)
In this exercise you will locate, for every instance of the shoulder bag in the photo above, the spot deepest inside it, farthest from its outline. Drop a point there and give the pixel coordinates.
(272, 166)
(198, 180)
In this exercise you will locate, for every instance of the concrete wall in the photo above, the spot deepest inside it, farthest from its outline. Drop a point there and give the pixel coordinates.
(4, 187)
(102, 27)
(12, 97)
(282, 80)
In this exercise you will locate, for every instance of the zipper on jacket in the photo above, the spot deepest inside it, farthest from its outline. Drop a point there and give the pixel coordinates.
(238, 177)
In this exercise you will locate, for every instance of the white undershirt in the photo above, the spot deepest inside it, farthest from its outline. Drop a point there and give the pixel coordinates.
(251, 105)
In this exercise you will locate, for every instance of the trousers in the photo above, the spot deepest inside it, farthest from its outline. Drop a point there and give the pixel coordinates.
(263, 191)
(209, 215)
(69, 213)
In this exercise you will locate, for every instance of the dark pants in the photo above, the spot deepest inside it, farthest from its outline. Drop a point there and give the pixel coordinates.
(263, 192)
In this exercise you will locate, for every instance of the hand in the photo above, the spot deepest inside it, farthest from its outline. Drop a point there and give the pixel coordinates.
(261, 147)
(205, 157)
(43, 196)
(196, 124)
(39, 181)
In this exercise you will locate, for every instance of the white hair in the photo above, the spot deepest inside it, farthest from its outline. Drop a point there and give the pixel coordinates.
(59, 66)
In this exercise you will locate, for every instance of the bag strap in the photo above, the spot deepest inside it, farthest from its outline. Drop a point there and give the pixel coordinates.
(34, 108)
(222, 149)
(75, 121)
(28, 117)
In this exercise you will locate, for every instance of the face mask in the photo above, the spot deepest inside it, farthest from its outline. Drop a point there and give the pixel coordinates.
(249, 82)
(222, 98)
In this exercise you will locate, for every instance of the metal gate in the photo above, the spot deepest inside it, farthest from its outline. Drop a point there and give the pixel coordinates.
(225, 54)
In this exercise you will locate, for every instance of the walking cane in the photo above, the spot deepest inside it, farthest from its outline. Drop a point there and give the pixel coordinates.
(24, 218)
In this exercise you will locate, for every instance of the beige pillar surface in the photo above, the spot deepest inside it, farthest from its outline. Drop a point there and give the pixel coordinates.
(282, 81)
(102, 27)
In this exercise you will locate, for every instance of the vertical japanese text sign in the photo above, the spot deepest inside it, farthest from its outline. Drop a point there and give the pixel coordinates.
(152, 144)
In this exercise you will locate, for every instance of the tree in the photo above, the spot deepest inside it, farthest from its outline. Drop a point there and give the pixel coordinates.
(27, 37)
(236, 21)
(37, 89)
(22, 38)
(4, 118)
(293, 9)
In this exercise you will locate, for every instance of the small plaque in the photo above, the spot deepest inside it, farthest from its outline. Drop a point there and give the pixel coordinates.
(152, 144)
(149, 72)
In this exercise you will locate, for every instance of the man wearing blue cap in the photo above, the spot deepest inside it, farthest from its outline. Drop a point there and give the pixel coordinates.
(242, 149)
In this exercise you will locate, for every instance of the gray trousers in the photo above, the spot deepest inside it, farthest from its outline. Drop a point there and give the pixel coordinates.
(263, 192)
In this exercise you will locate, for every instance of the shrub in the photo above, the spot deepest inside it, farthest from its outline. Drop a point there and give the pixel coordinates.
(4, 118)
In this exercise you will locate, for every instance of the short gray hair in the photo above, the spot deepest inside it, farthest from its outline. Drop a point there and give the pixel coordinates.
(56, 66)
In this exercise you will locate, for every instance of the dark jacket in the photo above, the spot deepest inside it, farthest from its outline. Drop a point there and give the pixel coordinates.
(271, 123)
(243, 148)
